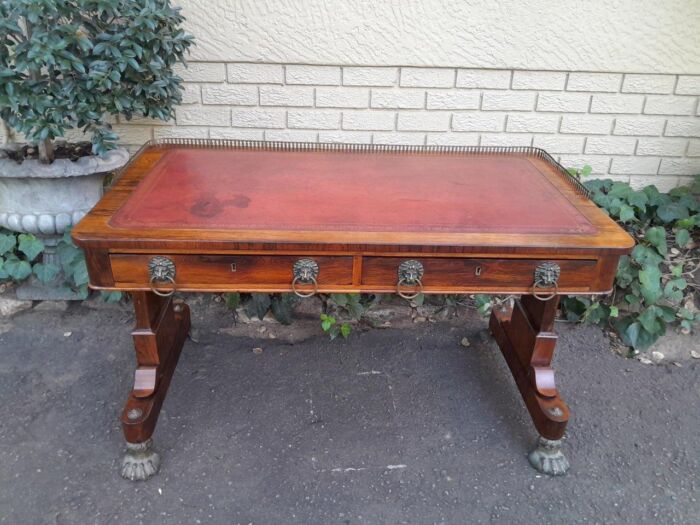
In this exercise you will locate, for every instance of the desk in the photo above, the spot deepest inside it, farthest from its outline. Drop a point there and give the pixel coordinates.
(224, 216)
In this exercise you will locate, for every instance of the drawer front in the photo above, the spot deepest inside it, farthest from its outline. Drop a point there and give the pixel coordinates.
(473, 274)
(194, 271)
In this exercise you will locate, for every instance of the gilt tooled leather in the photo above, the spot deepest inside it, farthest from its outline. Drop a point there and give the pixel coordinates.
(332, 191)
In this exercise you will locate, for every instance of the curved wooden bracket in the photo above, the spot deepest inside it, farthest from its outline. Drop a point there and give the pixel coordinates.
(543, 380)
(162, 326)
(524, 333)
(144, 381)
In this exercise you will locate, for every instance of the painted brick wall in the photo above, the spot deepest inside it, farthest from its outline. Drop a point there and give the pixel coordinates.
(637, 128)
(631, 127)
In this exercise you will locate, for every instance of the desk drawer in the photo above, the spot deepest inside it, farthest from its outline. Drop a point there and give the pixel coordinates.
(458, 273)
(196, 271)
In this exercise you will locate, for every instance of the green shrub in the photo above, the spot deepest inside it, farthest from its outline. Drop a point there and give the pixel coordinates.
(71, 63)
(657, 285)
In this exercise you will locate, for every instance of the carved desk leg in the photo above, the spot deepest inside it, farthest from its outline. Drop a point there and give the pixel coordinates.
(525, 334)
(162, 325)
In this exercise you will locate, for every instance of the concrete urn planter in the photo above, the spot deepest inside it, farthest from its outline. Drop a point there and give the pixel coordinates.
(46, 199)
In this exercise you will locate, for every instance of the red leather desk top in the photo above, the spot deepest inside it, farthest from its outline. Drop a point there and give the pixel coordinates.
(336, 191)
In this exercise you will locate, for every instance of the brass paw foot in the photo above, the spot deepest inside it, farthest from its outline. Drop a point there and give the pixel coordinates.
(140, 461)
(548, 457)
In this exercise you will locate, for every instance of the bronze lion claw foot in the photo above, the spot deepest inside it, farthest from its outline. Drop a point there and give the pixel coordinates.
(140, 461)
(548, 457)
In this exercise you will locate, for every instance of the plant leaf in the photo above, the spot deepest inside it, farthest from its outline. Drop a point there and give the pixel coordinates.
(7, 243)
(80, 274)
(233, 300)
(30, 245)
(671, 212)
(626, 213)
(644, 255)
(327, 321)
(673, 289)
(17, 269)
(657, 237)
(340, 299)
(258, 305)
(638, 199)
(573, 307)
(46, 272)
(67, 254)
(651, 320)
(283, 308)
(633, 333)
(111, 297)
(682, 237)
(650, 279)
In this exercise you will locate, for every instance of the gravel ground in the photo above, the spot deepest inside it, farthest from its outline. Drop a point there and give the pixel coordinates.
(390, 426)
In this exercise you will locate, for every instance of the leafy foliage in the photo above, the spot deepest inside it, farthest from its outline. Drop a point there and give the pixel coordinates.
(71, 63)
(259, 304)
(484, 303)
(351, 306)
(20, 258)
(282, 307)
(330, 325)
(657, 285)
(335, 307)
(72, 260)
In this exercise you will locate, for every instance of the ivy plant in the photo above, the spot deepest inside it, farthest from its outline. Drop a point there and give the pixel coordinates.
(19, 258)
(68, 64)
(331, 326)
(281, 306)
(657, 285)
(72, 261)
(259, 304)
(338, 306)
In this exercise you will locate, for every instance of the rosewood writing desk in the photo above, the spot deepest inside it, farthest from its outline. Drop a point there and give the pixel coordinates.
(224, 216)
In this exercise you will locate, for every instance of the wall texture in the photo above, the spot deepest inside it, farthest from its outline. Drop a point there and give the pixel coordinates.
(642, 128)
(632, 36)
(609, 83)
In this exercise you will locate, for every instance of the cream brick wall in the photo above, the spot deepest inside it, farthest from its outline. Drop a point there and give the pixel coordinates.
(541, 38)
(613, 87)
(640, 128)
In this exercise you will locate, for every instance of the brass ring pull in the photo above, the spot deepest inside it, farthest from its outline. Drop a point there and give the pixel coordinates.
(546, 278)
(166, 278)
(537, 286)
(303, 295)
(409, 296)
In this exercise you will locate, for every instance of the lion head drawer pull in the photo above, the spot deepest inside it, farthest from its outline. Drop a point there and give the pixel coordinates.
(161, 269)
(410, 274)
(547, 277)
(305, 272)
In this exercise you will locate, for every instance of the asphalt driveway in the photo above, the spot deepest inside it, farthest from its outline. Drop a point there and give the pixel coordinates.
(391, 426)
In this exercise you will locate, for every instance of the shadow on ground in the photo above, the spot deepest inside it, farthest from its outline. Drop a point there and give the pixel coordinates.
(391, 426)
